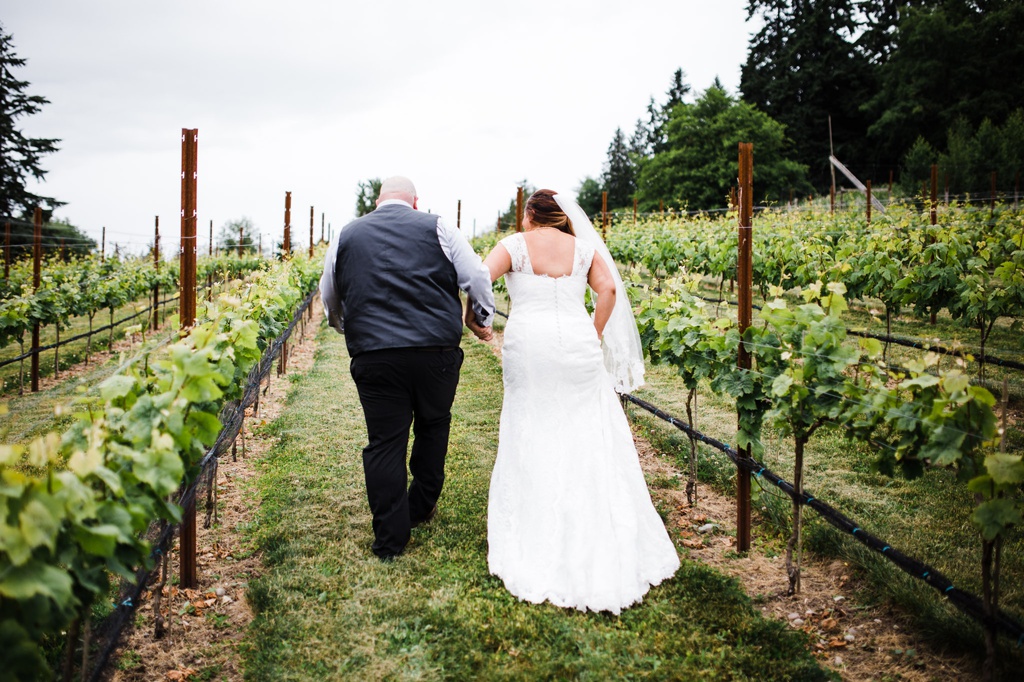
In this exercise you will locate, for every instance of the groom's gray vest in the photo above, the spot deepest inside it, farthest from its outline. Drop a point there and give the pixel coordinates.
(397, 287)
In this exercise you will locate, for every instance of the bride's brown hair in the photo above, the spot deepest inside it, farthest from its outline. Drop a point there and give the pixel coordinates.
(544, 211)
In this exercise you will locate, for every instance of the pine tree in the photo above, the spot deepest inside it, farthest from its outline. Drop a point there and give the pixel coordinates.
(619, 173)
(804, 67)
(20, 156)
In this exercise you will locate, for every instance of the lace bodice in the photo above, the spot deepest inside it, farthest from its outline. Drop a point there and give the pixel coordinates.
(535, 293)
(583, 255)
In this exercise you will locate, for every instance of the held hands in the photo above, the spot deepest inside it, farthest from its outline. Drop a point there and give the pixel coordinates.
(482, 333)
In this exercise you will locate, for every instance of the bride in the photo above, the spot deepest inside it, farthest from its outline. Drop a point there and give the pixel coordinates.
(570, 519)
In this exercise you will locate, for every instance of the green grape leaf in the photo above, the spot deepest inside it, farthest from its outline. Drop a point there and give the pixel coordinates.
(98, 540)
(1005, 469)
(995, 516)
(39, 524)
(117, 386)
(36, 577)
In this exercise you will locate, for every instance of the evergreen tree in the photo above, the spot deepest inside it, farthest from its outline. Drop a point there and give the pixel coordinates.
(803, 67)
(949, 60)
(700, 164)
(366, 196)
(677, 91)
(227, 238)
(20, 156)
(588, 195)
(619, 173)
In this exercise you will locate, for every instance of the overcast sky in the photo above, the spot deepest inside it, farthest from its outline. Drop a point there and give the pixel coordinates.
(466, 97)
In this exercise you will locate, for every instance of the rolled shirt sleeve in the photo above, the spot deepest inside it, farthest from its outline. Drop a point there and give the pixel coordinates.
(473, 276)
(329, 296)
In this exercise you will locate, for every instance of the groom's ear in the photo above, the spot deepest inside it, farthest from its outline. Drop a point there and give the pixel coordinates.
(415, 201)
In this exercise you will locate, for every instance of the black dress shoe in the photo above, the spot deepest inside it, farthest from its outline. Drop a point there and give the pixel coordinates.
(430, 515)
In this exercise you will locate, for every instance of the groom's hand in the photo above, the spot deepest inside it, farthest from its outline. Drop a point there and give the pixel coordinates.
(482, 333)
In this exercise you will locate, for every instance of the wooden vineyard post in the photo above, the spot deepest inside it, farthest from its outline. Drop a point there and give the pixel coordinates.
(322, 227)
(992, 197)
(311, 219)
(458, 215)
(189, 148)
(241, 238)
(286, 243)
(604, 215)
(867, 193)
(103, 245)
(37, 263)
(934, 209)
(634, 210)
(209, 271)
(156, 269)
(744, 279)
(519, 209)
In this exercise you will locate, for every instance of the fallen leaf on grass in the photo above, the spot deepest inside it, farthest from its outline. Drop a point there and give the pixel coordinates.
(693, 544)
(182, 674)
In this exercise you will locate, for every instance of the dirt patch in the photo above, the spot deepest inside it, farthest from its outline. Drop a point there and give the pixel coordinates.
(859, 641)
(204, 626)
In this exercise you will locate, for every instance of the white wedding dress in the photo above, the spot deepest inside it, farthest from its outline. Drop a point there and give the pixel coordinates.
(570, 519)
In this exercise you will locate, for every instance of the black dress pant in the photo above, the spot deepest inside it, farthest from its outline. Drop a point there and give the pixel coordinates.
(399, 388)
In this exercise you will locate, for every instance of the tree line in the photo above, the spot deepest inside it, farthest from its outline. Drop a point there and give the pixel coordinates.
(884, 85)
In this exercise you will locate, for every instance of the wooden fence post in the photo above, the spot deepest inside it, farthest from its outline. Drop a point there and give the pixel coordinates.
(187, 303)
(992, 198)
(37, 261)
(321, 226)
(867, 193)
(458, 215)
(604, 215)
(156, 269)
(286, 243)
(519, 209)
(103, 245)
(744, 279)
(934, 210)
(634, 210)
(311, 218)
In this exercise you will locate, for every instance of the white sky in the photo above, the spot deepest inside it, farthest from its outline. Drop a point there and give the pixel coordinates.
(467, 98)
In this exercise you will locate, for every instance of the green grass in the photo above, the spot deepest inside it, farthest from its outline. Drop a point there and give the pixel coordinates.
(927, 518)
(326, 608)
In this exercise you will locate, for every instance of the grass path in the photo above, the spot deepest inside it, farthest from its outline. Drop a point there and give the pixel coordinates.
(327, 609)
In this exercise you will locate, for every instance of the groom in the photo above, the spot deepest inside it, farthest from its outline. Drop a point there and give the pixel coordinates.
(391, 284)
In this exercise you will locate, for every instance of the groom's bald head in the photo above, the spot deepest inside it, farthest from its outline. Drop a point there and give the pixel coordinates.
(398, 187)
